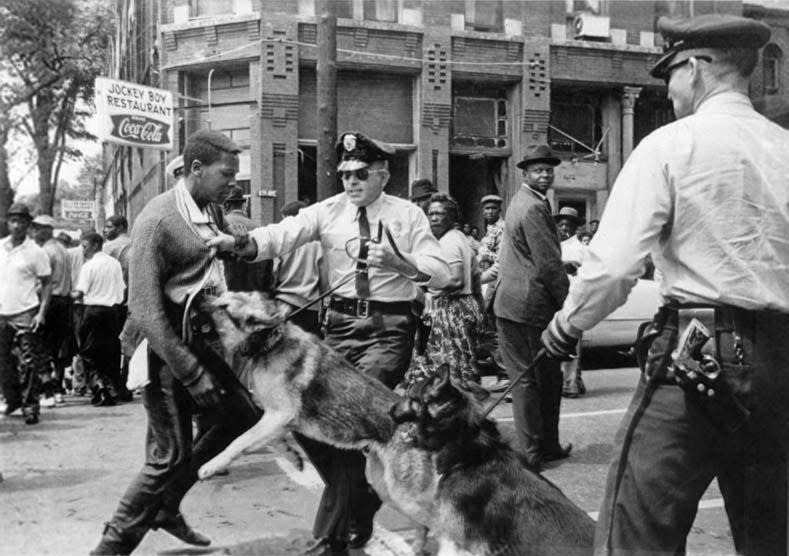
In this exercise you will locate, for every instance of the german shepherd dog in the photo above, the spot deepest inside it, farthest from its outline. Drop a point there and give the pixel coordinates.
(487, 501)
(420, 466)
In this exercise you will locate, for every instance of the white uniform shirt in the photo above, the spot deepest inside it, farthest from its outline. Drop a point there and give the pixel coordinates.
(707, 195)
(20, 269)
(334, 222)
(101, 281)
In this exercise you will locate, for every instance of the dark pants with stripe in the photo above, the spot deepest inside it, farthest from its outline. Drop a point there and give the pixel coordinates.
(380, 346)
(537, 398)
(669, 449)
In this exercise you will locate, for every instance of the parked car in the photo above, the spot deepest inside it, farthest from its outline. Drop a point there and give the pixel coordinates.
(619, 329)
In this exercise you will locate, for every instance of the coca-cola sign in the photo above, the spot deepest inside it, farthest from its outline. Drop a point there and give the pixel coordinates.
(134, 115)
(139, 129)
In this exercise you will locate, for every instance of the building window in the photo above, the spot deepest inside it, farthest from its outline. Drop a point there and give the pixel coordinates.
(576, 124)
(240, 136)
(771, 69)
(228, 80)
(380, 10)
(484, 15)
(202, 8)
(343, 8)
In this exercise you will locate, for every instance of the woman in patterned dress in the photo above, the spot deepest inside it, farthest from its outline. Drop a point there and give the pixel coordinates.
(453, 313)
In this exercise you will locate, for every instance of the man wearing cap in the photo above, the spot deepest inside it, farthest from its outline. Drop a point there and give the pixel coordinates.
(171, 269)
(532, 286)
(421, 190)
(239, 275)
(58, 317)
(488, 261)
(24, 297)
(384, 247)
(706, 196)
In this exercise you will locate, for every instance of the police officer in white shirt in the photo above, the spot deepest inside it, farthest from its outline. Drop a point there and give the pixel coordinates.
(370, 319)
(707, 197)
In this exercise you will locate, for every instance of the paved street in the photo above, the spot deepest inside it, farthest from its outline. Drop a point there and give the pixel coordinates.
(63, 477)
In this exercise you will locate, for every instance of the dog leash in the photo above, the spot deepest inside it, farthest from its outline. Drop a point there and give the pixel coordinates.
(537, 358)
(381, 229)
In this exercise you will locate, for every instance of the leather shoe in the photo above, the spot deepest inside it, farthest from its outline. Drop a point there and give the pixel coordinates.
(558, 452)
(176, 525)
(328, 546)
(359, 534)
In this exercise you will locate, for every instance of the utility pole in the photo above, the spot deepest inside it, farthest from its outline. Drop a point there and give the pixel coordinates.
(327, 99)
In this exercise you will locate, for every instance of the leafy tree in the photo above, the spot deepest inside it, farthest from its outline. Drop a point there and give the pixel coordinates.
(50, 54)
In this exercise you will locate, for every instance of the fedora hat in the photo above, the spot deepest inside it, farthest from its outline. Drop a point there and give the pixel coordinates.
(236, 194)
(44, 220)
(568, 213)
(538, 153)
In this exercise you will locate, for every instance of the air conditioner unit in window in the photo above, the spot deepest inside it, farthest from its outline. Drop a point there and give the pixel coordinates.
(591, 26)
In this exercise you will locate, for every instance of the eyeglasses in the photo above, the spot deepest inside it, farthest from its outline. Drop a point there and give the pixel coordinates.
(361, 174)
(672, 67)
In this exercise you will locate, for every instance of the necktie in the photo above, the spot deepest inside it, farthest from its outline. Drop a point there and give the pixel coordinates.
(362, 279)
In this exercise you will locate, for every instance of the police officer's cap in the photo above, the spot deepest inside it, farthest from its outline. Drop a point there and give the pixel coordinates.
(490, 199)
(355, 151)
(176, 166)
(707, 31)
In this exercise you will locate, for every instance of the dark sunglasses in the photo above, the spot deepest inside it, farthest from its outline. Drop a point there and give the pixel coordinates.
(672, 67)
(361, 174)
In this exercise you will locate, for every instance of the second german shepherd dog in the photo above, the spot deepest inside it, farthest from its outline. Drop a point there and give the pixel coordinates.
(487, 500)
(443, 466)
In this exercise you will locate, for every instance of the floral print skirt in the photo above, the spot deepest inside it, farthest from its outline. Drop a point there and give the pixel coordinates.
(454, 322)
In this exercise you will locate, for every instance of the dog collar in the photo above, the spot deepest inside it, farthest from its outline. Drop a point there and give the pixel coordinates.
(261, 341)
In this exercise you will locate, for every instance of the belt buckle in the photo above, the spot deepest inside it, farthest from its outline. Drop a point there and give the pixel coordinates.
(362, 308)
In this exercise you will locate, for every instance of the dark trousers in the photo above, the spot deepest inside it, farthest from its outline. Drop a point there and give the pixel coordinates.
(669, 449)
(537, 398)
(100, 348)
(172, 460)
(381, 347)
(57, 334)
(24, 361)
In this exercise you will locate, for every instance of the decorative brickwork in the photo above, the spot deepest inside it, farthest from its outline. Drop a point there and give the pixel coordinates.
(360, 37)
(536, 121)
(279, 108)
(436, 116)
(308, 33)
(537, 75)
(170, 43)
(209, 34)
(436, 63)
(253, 30)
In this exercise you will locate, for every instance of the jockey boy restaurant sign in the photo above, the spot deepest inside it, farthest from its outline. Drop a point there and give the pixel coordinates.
(134, 115)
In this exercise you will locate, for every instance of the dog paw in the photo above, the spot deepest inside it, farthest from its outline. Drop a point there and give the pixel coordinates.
(210, 469)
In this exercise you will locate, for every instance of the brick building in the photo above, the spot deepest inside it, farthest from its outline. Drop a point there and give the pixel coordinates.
(461, 87)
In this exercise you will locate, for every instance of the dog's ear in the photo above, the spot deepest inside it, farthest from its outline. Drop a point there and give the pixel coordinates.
(441, 380)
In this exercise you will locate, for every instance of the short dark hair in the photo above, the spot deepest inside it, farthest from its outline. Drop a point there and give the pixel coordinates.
(119, 222)
(94, 239)
(207, 146)
(450, 204)
(744, 60)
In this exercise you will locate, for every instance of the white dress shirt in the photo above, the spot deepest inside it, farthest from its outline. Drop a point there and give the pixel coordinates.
(707, 196)
(101, 281)
(20, 269)
(334, 222)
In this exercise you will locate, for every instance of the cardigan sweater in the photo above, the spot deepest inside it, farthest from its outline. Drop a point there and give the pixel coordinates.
(164, 252)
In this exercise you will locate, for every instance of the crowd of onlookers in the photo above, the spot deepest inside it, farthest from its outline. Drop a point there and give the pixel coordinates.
(62, 306)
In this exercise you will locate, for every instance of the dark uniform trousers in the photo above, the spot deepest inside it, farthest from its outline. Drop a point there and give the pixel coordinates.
(669, 449)
(57, 337)
(537, 398)
(172, 459)
(380, 345)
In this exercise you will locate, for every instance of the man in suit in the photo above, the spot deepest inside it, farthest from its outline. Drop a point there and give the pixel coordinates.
(532, 285)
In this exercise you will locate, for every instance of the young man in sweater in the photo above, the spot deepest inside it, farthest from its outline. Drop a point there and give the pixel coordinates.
(170, 266)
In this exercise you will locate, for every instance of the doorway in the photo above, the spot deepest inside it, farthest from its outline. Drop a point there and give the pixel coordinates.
(471, 177)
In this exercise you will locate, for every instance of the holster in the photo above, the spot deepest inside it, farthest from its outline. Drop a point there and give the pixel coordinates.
(699, 369)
